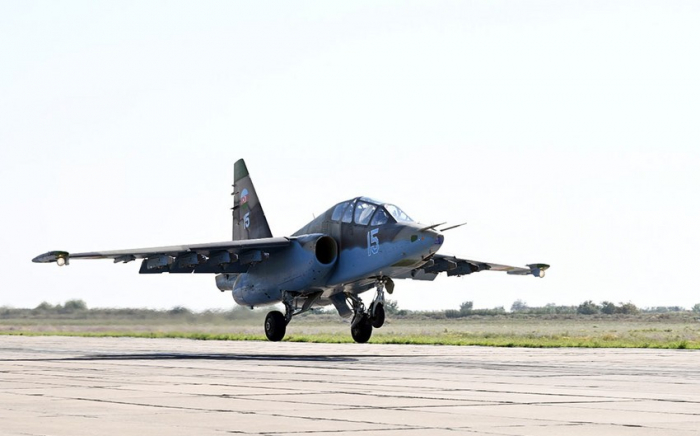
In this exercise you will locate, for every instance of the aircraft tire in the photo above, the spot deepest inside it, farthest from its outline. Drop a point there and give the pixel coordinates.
(275, 326)
(363, 330)
(379, 316)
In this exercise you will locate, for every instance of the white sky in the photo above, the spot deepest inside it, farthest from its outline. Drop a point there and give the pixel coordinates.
(563, 132)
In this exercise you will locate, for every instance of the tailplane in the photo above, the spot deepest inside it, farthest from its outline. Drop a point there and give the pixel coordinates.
(249, 220)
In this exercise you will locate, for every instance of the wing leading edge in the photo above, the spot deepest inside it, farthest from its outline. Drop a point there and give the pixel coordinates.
(455, 266)
(216, 257)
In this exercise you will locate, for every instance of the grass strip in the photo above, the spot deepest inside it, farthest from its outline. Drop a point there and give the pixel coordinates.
(460, 340)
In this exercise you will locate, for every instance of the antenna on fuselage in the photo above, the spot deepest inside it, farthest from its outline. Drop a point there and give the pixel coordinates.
(431, 227)
(452, 227)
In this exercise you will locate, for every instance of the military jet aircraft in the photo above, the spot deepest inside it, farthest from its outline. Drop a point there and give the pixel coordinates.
(356, 245)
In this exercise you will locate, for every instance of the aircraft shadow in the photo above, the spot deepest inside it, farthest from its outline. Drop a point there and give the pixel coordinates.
(194, 356)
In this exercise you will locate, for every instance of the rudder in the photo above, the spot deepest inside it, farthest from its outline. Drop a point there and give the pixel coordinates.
(249, 220)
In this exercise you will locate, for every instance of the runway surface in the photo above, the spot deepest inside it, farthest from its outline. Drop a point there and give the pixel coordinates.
(118, 386)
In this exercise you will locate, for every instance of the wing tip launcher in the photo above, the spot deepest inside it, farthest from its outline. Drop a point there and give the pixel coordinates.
(60, 257)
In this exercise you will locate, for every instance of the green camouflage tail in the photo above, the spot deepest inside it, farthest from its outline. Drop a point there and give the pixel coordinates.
(249, 220)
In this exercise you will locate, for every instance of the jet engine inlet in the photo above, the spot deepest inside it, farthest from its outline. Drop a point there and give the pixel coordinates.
(303, 265)
(326, 250)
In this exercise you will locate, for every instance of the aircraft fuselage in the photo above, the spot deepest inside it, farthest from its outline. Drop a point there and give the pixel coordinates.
(365, 253)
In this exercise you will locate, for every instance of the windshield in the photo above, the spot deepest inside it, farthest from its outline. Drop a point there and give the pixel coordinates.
(363, 212)
(398, 214)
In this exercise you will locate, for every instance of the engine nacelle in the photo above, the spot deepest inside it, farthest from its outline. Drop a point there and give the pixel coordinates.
(305, 264)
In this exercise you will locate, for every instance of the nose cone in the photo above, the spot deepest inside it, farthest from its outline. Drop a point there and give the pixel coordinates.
(422, 241)
(432, 239)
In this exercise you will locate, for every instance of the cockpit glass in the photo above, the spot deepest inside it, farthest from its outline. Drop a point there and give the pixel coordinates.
(371, 200)
(380, 218)
(398, 214)
(338, 211)
(363, 212)
(347, 216)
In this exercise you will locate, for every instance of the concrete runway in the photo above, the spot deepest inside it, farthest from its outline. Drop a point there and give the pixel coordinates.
(118, 386)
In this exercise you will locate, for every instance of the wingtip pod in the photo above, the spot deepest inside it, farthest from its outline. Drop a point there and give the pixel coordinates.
(538, 269)
(60, 257)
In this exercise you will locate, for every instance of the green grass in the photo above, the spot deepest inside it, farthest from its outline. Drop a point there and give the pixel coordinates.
(670, 331)
(445, 339)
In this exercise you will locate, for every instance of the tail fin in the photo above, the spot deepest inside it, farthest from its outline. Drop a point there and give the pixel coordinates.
(249, 220)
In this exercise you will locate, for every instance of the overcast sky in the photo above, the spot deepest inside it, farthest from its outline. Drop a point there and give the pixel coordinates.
(563, 132)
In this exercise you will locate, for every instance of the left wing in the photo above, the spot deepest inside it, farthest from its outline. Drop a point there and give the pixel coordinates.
(455, 266)
(216, 257)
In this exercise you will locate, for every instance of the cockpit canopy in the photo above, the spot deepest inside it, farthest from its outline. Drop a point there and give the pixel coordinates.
(364, 211)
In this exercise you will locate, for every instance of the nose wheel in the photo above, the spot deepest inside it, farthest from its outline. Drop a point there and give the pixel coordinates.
(376, 309)
(378, 315)
(365, 320)
(361, 325)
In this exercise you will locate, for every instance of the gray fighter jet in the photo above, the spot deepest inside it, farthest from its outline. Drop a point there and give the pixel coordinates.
(356, 245)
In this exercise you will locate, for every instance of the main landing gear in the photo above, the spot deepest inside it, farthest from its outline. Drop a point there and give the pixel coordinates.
(363, 320)
(276, 321)
(275, 326)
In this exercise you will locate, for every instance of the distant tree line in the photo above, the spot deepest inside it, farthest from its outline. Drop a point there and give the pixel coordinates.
(467, 309)
(590, 308)
(70, 306)
(79, 309)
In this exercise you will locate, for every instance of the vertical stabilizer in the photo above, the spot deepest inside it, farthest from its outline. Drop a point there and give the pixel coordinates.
(249, 220)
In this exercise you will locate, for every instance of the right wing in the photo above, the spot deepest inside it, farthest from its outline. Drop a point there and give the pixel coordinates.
(216, 257)
(455, 266)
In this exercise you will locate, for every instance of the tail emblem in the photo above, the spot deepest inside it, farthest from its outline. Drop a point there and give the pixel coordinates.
(244, 199)
(245, 207)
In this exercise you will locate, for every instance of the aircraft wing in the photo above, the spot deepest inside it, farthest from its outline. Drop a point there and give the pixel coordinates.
(216, 257)
(455, 266)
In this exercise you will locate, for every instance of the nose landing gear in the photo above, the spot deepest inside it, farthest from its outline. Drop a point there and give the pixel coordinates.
(365, 320)
(378, 316)
(361, 325)
(376, 309)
